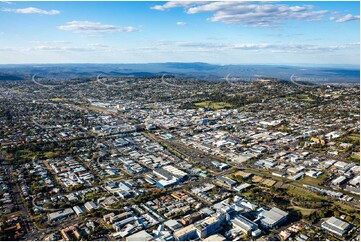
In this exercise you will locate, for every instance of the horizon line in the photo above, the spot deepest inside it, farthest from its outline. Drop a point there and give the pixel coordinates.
(175, 62)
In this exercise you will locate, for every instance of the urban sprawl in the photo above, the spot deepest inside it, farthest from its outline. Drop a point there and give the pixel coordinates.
(178, 159)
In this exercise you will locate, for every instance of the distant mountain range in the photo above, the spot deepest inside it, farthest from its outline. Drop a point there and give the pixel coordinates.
(307, 73)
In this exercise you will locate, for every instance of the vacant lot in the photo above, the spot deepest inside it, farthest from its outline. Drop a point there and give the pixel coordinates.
(242, 174)
(257, 179)
(268, 182)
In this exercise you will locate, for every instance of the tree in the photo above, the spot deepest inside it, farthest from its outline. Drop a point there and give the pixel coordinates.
(322, 214)
(349, 218)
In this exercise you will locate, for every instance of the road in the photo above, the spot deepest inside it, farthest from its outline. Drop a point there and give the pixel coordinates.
(39, 235)
(19, 200)
(42, 208)
(298, 84)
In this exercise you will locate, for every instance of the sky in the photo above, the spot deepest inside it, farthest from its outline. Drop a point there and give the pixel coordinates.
(226, 32)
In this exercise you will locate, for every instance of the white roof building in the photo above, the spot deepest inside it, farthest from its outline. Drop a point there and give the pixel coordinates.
(140, 236)
(339, 180)
(272, 218)
(78, 210)
(90, 206)
(336, 226)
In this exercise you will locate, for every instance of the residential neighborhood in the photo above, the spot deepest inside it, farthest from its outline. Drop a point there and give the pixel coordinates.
(139, 159)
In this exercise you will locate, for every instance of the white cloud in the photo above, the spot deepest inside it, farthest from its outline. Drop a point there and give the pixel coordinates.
(190, 44)
(7, 2)
(175, 4)
(89, 48)
(261, 14)
(183, 47)
(247, 46)
(99, 45)
(266, 47)
(30, 10)
(181, 23)
(87, 27)
(346, 18)
(50, 42)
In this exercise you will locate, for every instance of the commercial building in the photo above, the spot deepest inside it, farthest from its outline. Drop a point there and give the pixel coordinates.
(336, 226)
(120, 217)
(187, 233)
(272, 218)
(168, 172)
(226, 182)
(173, 225)
(242, 187)
(208, 227)
(339, 180)
(243, 223)
(284, 235)
(78, 210)
(169, 176)
(60, 214)
(192, 218)
(70, 233)
(107, 217)
(220, 166)
(175, 171)
(355, 181)
(166, 183)
(179, 195)
(215, 237)
(298, 176)
(119, 225)
(139, 236)
(90, 206)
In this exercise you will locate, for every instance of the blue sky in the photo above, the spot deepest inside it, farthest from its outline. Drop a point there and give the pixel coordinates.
(180, 31)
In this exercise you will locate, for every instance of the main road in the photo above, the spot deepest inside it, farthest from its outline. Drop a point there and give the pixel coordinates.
(19, 200)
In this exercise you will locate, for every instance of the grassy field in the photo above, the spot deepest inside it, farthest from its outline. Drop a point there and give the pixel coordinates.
(307, 195)
(57, 99)
(302, 97)
(52, 154)
(97, 108)
(356, 156)
(151, 107)
(304, 211)
(28, 154)
(259, 172)
(354, 137)
(281, 184)
(213, 105)
(347, 209)
(311, 181)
